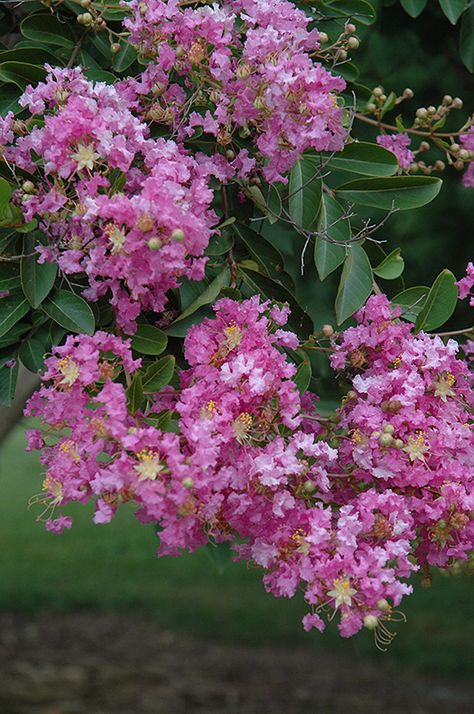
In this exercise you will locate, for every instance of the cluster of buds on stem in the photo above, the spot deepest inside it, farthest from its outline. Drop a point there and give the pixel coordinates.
(338, 51)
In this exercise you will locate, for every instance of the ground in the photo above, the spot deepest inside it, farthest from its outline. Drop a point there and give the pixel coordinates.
(86, 663)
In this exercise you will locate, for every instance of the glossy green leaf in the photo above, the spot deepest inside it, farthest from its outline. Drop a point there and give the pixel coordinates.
(70, 311)
(126, 57)
(398, 192)
(8, 382)
(414, 7)
(305, 189)
(206, 297)
(12, 309)
(149, 340)
(158, 374)
(9, 95)
(21, 73)
(135, 394)
(37, 279)
(303, 376)
(440, 302)
(453, 9)
(46, 28)
(333, 227)
(31, 354)
(355, 285)
(466, 38)
(364, 158)
(5, 193)
(167, 420)
(220, 554)
(411, 301)
(9, 275)
(14, 334)
(391, 267)
(359, 10)
(30, 55)
(268, 257)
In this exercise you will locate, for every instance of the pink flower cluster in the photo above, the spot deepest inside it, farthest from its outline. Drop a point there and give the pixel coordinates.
(398, 144)
(466, 285)
(237, 70)
(132, 213)
(252, 464)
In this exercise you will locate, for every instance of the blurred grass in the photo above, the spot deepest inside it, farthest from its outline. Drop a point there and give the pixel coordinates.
(114, 568)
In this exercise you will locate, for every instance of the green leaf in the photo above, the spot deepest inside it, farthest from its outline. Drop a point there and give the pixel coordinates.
(453, 9)
(9, 275)
(30, 55)
(263, 252)
(46, 28)
(12, 309)
(126, 57)
(440, 302)
(305, 188)
(206, 297)
(391, 267)
(329, 256)
(220, 554)
(70, 311)
(5, 193)
(414, 7)
(9, 96)
(165, 421)
(303, 376)
(400, 192)
(31, 354)
(466, 38)
(8, 380)
(135, 394)
(158, 374)
(149, 340)
(359, 10)
(37, 279)
(21, 73)
(14, 334)
(355, 285)
(411, 301)
(364, 158)
(220, 243)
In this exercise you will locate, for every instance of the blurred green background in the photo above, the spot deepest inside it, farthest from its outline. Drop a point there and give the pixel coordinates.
(114, 567)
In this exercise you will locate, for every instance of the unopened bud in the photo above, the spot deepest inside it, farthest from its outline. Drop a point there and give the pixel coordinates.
(383, 605)
(459, 165)
(154, 243)
(342, 55)
(243, 71)
(28, 187)
(424, 146)
(455, 148)
(353, 43)
(389, 429)
(386, 440)
(327, 330)
(351, 394)
(439, 165)
(377, 92)
(383, 98)
(464, 154)
(187, 482)
(422, 113)
(86, 3)
(145, 223)
(447, 99)
(432, 110)
(85, 19)
(100, 24)
(371, 107)
(398, 444)
(408, 93)
(426, 582)
(350, 28)
(309, 486)
(115, 47)
(370, 622)
(457, 103)
(180, 51)
(178, 235)
(230, 155)
(323, 38)
(259, 102)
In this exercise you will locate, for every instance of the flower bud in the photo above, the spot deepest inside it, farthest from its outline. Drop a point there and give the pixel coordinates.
(327, 330)
(145, 222)
(230, 155)
(457, 103)
(386, 440)
(85, 19)
(447, 99)
(424, 146)
(323, 38)
(439, 165)
(432, 109)
(383, 605)
(370, 622)
(408, 93)
(309, 486)
(154, 243)
(100, 24)
(377, 92)
(243, 71)
(351, 394)
(179, 51)
(371, 107)
(86, 3)
(464, 154)
(188, 482)
(422, 113)
(28, 187)
(342, 55)
(350, 28)
(398, 444)
(353, 43)
(178, 235)
(459, 165)
(259, 102)
(389, 429)
(383, 98)
(115, 47)
(455, 148)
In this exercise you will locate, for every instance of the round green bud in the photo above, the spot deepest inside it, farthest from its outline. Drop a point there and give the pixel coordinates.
(327, 330)
(432, 110)
(371, 107)
(383, 605)
(178, 235)
(370, 622)
(439, 165)
(398, 444)
(115, 48)
(375, 434)
(377, 92)
(422, 113)
(383, 98)
(28, 187)
(323, 38)
(154, 243)
(180, 51)
(342, 55)
(85, 19)
(309, 486)
(353, 43)
(389, 429)
(230, 155)
(386, 440)
(464, 154)
(447, 99)
(187, 482)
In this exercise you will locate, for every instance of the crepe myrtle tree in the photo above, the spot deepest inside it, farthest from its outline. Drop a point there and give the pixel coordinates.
(193, 258)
